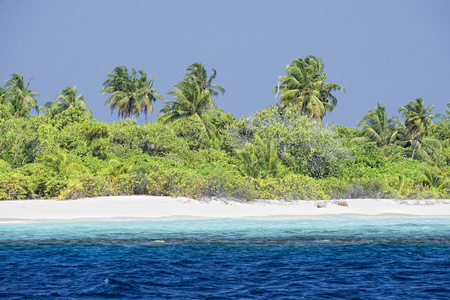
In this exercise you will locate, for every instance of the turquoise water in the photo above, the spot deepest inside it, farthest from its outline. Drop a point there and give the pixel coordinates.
(328, 258)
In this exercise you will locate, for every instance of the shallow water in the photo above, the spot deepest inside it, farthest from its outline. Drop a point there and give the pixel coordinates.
(329, 258)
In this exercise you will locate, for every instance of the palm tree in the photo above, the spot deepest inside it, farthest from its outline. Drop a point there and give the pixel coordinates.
(193, 98)
(377, 127)
(118, 168)
(146, 95)
(68, 97)
(21, 99)
(198, 74)
(50, 109)
(417, 120)
(60, 164)
(447, 111)
(433, 177)
(305, 87)
(258, 161)
(130, 94)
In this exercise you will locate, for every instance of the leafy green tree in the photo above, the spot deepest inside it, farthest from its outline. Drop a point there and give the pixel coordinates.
(3, 93)
(21, 99)
(21, 140)
(377, 127)
(441, 130)
(69, 97)
(417, 120)
(5, 112)
(131, 93)
(304, 87)
(316, 149)
(193, 99)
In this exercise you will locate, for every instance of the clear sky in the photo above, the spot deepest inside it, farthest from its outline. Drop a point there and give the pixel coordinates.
(387, 52)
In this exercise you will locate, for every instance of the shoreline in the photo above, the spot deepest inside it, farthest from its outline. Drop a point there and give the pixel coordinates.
(160, 208)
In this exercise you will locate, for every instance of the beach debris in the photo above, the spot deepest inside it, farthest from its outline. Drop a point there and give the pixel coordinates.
(321, 204)
(342, 203)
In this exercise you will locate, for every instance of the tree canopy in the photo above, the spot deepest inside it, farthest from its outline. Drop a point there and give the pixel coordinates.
(417, 120)
(304, 87)
(132, 93)
(193, 98)
(19, 98)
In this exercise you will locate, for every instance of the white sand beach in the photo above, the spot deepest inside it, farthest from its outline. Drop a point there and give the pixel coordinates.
(167, 208)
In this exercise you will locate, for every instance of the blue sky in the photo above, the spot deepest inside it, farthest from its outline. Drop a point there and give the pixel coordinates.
(387, 52)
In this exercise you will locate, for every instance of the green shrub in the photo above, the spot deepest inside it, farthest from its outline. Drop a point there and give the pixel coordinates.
(229, 186)
(313, 149)
(13, 186)
(363, 189)
(294, 187)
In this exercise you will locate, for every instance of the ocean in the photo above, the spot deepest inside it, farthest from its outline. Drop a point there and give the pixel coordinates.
(323, 258)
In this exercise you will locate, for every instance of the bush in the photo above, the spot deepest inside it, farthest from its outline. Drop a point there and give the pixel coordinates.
(226, 185)
(13, 186)
(294, 187)
(303, 143)
(364, 189)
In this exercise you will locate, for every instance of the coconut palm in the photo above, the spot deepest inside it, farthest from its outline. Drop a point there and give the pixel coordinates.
(69, 97)
(60, 164)
(193, 99)
(377, 127)
(258, 161)
(118, 168)
(21, 99)
(131, 94)
(146, 94)
(197, 72)
(430, 150)
(417, 120)
(305, 87)
(447, 113)
(433, 177)
(49, 109)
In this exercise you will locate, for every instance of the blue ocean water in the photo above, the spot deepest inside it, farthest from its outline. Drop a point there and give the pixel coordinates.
(327, 258)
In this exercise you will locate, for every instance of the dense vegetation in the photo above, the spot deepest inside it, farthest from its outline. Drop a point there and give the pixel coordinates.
(197, 150)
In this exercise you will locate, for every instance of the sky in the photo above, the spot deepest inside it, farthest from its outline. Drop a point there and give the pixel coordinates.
(386, 52)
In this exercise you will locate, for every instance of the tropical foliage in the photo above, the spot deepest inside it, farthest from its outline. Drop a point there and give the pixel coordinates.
(258, 161)
(377, 127)
(195, 149)
(132, 93)
(18, 97)
(304, 87)
(417, 120)
(433, 177)
(193, 99)
(69, 97)
(59, 163)
(302, 143)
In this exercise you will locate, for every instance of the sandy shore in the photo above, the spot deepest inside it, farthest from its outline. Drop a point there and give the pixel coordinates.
(166, 208)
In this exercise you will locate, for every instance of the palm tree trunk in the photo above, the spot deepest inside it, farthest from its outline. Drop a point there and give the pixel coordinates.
(414, 149)
(278, 91)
